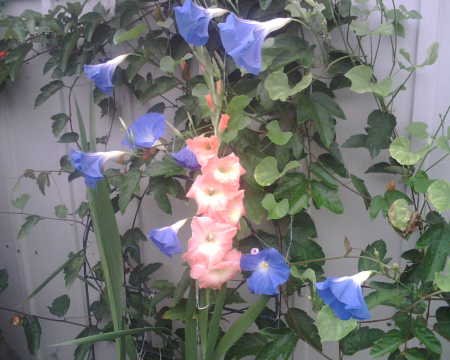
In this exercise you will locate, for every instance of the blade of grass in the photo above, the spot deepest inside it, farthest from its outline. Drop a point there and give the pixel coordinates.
(239, 327)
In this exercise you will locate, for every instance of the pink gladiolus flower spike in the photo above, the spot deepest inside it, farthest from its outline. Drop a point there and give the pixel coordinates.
(225, 170)
(210, 241)
(203, 147)
(215, 276)
(234, 211)
(210, 195)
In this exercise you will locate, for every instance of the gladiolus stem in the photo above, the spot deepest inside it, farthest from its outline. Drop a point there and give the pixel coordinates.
(190, 334)
(214, 325)
(203, 321)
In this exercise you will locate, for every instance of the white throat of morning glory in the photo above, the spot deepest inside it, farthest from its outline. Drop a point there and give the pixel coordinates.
(216, 12)
(359, 278)
(276, 24)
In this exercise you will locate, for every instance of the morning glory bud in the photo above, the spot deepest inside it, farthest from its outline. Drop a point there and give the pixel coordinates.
(166, 238)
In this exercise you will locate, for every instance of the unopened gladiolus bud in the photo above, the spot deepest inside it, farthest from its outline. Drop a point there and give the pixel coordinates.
(202, 69)
(210, 102)
(16, 320)
(3, 54)
(219, 87)
(223, 123)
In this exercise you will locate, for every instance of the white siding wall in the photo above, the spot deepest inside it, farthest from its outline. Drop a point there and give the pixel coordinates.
(26, 142)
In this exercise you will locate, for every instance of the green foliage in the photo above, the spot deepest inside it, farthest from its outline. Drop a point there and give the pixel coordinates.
(3, 280)
(331, 328)
(33, 332)
(60, 306)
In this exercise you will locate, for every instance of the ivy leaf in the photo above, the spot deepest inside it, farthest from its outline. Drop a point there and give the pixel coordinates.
(30, 222)
(418, 129)
(326, 197)
(360, 339)
(61, 211)
(127, 35)
(331, 328)
(303, 325)
(376, 250)
(361, 77)
(69, 137)
(276, 210)
(159, 86)
(21, 201)
(3, 280)
(277, 85)
(438, 194)
(59, 123)
(249, 344)
(276, 135)
(377, 204)
(266, 172)
(128, 187)
(399, 214)
(387, 344)
(72, 268)
(33, 332)
(420, 182)
(60, 306)
(379, 131)
(47, 91)
(426, 336)
(442, 143)
(328, 103)
(400, 151)
(294, 187)
(442, 280)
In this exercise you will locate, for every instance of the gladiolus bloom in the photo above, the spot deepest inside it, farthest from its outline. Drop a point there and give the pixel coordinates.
(344, 296)
(166, 238)
(223, 123)
(234, 211)
(203, 147)
(216, 275)
(91, 164)
(186, 158)
(102, 74)
(243, 40)
(226, 170)
(210, 195)
(210, 240)
(193, 21)
(145, 131)
(269, 270)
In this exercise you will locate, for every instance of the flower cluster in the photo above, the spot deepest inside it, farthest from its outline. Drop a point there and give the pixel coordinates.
(220, 202)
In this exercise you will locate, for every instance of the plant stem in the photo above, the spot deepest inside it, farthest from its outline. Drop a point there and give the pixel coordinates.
(42, 317)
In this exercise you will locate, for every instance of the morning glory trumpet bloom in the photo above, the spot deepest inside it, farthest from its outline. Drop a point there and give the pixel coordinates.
(102, 74)
(91, 164)
(243, 40)
(269, 270)
(193, 21)
(166, 238)
(145, 131)
(344, 296)
(186, 158)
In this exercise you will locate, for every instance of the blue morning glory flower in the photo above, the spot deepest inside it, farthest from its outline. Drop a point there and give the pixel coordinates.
(344, 296)
(102, 74)
(91, 164)
(269, 270)
(193, 21)
(145, 131)
(243, 40)
(166, 238)
(186, 158)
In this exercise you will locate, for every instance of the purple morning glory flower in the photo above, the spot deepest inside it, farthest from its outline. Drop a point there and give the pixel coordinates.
(91, 164)
(193, 21)
(186, 158)
(344, 296)
(145, 131)
(269, 271)
(243, 40)
(166, 238)
(102, 74)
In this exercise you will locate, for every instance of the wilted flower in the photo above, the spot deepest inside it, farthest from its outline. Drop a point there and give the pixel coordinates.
(186, 158)
(102, 74)
(344, 296)
(166, 238)
(91, 164)
(269, 270)
(193, 21)
(243, 40)
(216, 275)
(145, 131)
